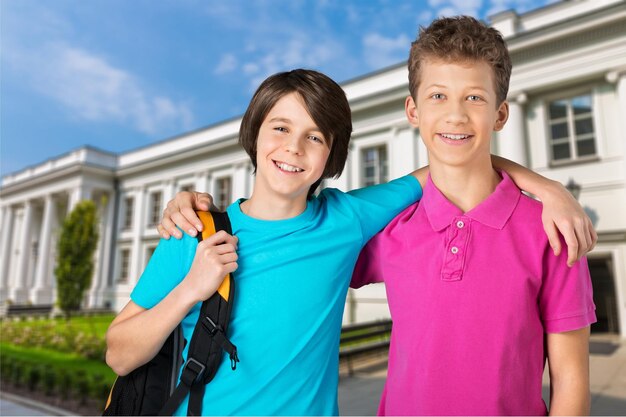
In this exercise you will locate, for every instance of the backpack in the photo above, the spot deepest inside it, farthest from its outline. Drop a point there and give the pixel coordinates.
(152, 388)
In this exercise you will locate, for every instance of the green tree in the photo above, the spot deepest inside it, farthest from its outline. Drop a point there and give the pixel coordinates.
(75, 250)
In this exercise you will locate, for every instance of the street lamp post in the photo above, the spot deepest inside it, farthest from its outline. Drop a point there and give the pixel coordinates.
(573, 187)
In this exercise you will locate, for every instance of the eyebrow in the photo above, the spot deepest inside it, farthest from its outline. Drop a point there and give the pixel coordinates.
(471, 87)
(437, 85)
(288, 121)
(280, 119)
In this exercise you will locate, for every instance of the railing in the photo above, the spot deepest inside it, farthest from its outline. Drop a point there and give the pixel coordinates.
(362, 340)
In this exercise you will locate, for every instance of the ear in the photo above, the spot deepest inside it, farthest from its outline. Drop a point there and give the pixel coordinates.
(502, 115)
(410, 109)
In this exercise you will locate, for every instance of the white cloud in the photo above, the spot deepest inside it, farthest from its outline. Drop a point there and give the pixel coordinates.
(227, 64)
(424, 17)
(456, 7)
(297, 52)
(93, 89)
(380, 51)
(250, 68)
(520, 6)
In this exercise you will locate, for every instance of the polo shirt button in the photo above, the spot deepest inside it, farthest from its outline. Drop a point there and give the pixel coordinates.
(454, 250)
(460, 224)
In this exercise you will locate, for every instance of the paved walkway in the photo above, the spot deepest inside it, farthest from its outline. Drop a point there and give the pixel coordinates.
(359, 394)
(13, 405)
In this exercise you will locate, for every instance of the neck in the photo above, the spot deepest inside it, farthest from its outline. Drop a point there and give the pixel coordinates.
(266, 207)
(465, 187)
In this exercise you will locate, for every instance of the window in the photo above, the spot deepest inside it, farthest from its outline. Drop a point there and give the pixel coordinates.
(572, 134)
(128, 212)
(149, 251)
(374, 165)
(223, 192)
(155, 208)
(188, 187)
(124, 265)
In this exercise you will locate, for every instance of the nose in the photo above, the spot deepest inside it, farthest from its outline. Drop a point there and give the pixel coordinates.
(293, 144)
(457, 114)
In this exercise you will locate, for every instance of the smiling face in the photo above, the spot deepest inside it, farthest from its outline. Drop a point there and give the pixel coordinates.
(291, 151)
(456, 111)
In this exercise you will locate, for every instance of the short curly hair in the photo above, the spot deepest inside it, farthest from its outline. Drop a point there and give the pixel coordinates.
(461, 39)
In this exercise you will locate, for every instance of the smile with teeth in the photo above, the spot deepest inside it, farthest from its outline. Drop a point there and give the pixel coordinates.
(454, 136)
(286, 167)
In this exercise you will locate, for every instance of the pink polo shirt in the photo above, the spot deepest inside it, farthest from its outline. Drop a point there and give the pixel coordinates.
(471, 296)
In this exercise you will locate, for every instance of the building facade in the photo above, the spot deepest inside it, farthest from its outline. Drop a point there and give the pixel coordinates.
(567, 118)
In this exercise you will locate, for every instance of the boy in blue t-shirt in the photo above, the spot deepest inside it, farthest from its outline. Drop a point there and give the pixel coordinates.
(286, 319)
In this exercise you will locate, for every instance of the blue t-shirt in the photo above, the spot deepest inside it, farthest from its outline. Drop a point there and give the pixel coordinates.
(290, 291)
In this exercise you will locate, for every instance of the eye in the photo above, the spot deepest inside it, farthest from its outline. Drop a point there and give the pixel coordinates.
(280, 129)
(437, 96)
(316, 139)
(474, 98)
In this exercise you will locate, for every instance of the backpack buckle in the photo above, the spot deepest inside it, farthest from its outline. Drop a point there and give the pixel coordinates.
(193, 371)
(211, 327)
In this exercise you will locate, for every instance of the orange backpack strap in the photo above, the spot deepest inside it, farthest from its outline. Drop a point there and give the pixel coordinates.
(208, 229)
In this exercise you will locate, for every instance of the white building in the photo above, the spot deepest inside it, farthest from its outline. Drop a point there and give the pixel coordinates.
(568, 112)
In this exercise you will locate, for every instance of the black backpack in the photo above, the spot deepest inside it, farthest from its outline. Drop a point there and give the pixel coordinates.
(151, 389)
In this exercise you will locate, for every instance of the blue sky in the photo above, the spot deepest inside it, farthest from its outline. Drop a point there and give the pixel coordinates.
(119, 74)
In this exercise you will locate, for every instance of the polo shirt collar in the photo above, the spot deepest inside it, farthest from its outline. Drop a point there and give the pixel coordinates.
(494, 211)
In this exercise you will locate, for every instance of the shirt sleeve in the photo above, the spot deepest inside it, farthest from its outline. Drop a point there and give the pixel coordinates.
(566, 297)
(167, 267)
(368, 269)
(377, 205)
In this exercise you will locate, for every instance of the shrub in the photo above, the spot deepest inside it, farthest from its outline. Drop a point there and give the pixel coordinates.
(17, 373)
(65, 381)
(82, 387)
(62, 336)
(48, 380)
(33, 376)
(75, 249)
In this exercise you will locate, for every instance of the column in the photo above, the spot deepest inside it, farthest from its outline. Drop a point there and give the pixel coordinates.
(621, 96)
(402, 152)
(512, 138)
(139, 222)
(19, 293)
(104, 202)
(202, 182)
(5, 251)
(108, 231)
(168, 192)
(619, 79)
(240, 180)
(41, 293)
(422, 151)
(82, 192)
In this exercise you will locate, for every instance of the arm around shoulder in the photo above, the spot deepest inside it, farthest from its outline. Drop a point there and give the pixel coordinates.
(561, 212)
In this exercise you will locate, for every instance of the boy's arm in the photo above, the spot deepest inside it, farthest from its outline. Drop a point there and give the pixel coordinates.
(561, 211)
(137, 333)
(568, 359)
(368, 268)
(181, 211)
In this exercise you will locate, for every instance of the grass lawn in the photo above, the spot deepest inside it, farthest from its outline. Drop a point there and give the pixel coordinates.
(67, 361)
(89, 324)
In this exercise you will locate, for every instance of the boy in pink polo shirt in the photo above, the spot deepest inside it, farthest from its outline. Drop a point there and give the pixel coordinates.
(478, 300)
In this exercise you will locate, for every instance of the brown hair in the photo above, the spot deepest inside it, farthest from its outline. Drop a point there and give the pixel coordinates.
(461, 38)
(325, 102)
